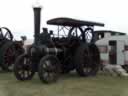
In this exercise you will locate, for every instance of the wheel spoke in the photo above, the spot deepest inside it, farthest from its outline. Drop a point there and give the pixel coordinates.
(49, 70)
(23, 68)
(6, 33)
(48, 66)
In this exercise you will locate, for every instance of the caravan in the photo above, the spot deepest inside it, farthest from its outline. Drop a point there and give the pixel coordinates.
(113, 48)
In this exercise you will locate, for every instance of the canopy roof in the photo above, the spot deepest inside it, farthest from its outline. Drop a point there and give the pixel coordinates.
(109, 31)
(72, 22)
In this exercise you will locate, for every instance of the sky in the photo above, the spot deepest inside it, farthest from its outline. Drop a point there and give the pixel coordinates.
(17, 15)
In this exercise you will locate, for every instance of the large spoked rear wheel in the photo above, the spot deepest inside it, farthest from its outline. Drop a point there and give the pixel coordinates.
(49, 69)
(83, 60)
(9, 52)
(95, 55)
(7, 55)
(23, 68)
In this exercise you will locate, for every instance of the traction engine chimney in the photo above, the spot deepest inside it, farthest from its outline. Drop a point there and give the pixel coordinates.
(37, 19)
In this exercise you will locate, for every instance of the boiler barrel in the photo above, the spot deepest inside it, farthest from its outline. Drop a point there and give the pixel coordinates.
(54, 50)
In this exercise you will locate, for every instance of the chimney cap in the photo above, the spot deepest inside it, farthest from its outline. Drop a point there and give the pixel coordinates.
(37, 4)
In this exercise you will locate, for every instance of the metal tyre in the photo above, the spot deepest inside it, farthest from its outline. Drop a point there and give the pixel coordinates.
(49, 69)
(23, 68)
(82, 60)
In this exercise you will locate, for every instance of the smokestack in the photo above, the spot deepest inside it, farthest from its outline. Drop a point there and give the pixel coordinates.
(37, 19)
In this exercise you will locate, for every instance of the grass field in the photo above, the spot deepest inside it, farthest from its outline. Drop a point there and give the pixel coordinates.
(68, 85)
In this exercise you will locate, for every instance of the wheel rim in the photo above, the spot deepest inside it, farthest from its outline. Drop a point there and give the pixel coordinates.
(9, 57)
(23, 68)
(6, 33)
(48, 70)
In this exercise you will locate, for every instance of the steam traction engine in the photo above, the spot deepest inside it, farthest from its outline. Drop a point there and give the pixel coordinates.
(9, 49)
(50, 54)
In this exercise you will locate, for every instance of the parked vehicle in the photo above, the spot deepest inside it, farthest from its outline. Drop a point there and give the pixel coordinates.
(114, 49)
(9, 49)
(50, 54)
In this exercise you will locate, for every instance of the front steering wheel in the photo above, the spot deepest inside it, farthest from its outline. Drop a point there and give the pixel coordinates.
(5, 33)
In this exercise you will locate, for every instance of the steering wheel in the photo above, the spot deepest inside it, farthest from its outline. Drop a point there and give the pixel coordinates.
(5, 33)
(89, 34)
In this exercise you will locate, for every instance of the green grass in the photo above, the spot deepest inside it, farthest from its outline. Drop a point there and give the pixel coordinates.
(68, 85)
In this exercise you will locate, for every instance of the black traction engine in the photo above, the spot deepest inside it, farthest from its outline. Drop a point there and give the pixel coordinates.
(9, 49)
(53, 54)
